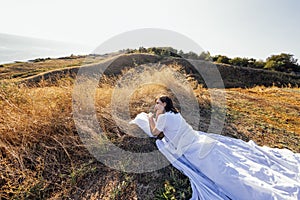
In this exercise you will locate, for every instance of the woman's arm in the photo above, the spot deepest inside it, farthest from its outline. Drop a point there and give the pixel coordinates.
(153, 130)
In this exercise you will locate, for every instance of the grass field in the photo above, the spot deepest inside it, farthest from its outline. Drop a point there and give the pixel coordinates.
(42, 155)
(21, 70)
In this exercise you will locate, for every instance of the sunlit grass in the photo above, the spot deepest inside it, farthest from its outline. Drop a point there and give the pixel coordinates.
(21, 70)
(43, 157)
(269, 116)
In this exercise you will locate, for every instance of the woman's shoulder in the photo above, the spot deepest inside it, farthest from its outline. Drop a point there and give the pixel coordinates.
(172, 115)
(165, 115)
(169, 114)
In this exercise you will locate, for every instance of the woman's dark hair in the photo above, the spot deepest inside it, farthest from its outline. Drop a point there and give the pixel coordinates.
(169, 102)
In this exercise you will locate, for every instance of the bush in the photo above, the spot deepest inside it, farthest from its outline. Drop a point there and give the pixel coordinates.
(222, 59)
(237, 61)
(283, 63)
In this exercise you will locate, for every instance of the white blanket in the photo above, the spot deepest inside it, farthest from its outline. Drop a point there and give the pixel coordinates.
(220, 167)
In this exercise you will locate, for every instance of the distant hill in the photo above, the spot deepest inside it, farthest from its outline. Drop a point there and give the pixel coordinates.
(233, 76)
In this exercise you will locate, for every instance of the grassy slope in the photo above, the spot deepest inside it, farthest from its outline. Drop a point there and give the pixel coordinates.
(21, 70)
(42, 155)
(269, 116)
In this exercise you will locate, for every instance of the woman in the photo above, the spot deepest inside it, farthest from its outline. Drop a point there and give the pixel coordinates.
(220, 167)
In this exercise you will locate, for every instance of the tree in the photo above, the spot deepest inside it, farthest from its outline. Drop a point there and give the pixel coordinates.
(221, 59)
(283, 62)
(171, 49)
(205, 56)
(260, 64)
(243, 62)
(180, 52)
(142, 50)
(191, 55)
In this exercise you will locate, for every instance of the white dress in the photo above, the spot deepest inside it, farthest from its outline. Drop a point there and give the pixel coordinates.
(221, 167)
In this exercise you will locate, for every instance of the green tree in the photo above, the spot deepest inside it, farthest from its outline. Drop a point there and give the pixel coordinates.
(221, 59)
(260, 64)
(243, 62)
(283, 62)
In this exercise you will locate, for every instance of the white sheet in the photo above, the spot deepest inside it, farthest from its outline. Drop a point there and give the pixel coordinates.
(220, 167)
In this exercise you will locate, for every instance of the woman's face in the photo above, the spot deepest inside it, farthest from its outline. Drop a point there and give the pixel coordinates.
(159, 105)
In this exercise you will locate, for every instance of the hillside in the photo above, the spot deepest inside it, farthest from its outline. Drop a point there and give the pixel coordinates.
(233, 76)
(43, 157)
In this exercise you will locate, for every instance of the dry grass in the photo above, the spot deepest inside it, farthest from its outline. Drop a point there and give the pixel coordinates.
(268, 115)
(42, 156)
(20, 70)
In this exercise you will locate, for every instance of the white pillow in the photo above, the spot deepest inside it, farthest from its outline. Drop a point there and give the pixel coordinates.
(142, 121)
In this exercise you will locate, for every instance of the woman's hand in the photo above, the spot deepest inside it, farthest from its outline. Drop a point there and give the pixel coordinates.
(159, 107)
(152, 124)
(150, 115)
(158, 112)
(154, 131)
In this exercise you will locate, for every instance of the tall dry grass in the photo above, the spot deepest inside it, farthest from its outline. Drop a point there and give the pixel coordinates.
(36, 131)
(42, 156)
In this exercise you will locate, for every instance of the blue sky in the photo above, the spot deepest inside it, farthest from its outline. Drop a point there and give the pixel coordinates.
(246, 28)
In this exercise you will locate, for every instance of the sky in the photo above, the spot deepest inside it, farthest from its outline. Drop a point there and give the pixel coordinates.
(244, 28)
